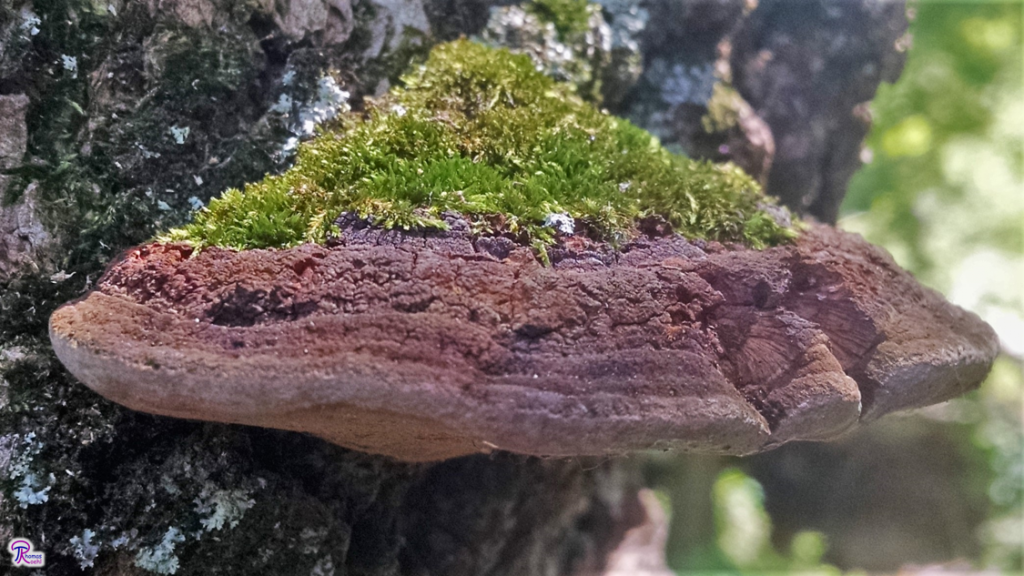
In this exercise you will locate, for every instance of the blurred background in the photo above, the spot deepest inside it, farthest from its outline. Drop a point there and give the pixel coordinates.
(942, 489)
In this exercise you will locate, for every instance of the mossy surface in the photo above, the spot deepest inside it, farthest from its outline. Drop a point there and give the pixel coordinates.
(569, 16)
(723, 109)
(479, 131)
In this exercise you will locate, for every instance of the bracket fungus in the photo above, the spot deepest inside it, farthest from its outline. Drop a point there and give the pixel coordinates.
(373, 313)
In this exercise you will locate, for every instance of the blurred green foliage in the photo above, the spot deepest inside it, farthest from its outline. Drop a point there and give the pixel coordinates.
(944, 169)
(744, 531)
(944, 192)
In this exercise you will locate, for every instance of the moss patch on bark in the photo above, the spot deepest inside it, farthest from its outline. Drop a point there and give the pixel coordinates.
(479, 131)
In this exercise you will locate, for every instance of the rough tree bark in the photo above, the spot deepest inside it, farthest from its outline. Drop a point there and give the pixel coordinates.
(117, 117)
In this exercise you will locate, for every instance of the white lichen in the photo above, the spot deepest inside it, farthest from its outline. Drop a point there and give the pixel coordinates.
(70, 64)
(222, 508)
(562, 222)
(30, 21)
(32, 489)
(283, 105)
(84, 549)
(522, 32)
(56, 278)
(602, 56)
(179, 133)
(160, 558)
(330, 101)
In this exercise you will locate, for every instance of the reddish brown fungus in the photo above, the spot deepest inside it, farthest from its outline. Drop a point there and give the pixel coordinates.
(430, 346)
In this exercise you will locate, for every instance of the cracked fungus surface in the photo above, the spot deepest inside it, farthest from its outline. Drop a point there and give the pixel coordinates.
(479, 131)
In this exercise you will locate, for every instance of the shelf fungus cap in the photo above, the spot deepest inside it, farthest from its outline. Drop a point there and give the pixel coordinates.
(431, 346)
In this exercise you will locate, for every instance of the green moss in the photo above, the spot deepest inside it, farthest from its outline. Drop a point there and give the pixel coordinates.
(481, 132)
(723, 109)
(570, 17)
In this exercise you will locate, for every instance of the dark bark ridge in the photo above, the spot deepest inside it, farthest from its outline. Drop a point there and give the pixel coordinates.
(809, 69)
(429, 346)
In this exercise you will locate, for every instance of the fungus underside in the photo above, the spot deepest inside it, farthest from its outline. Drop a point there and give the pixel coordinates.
(479, 131)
